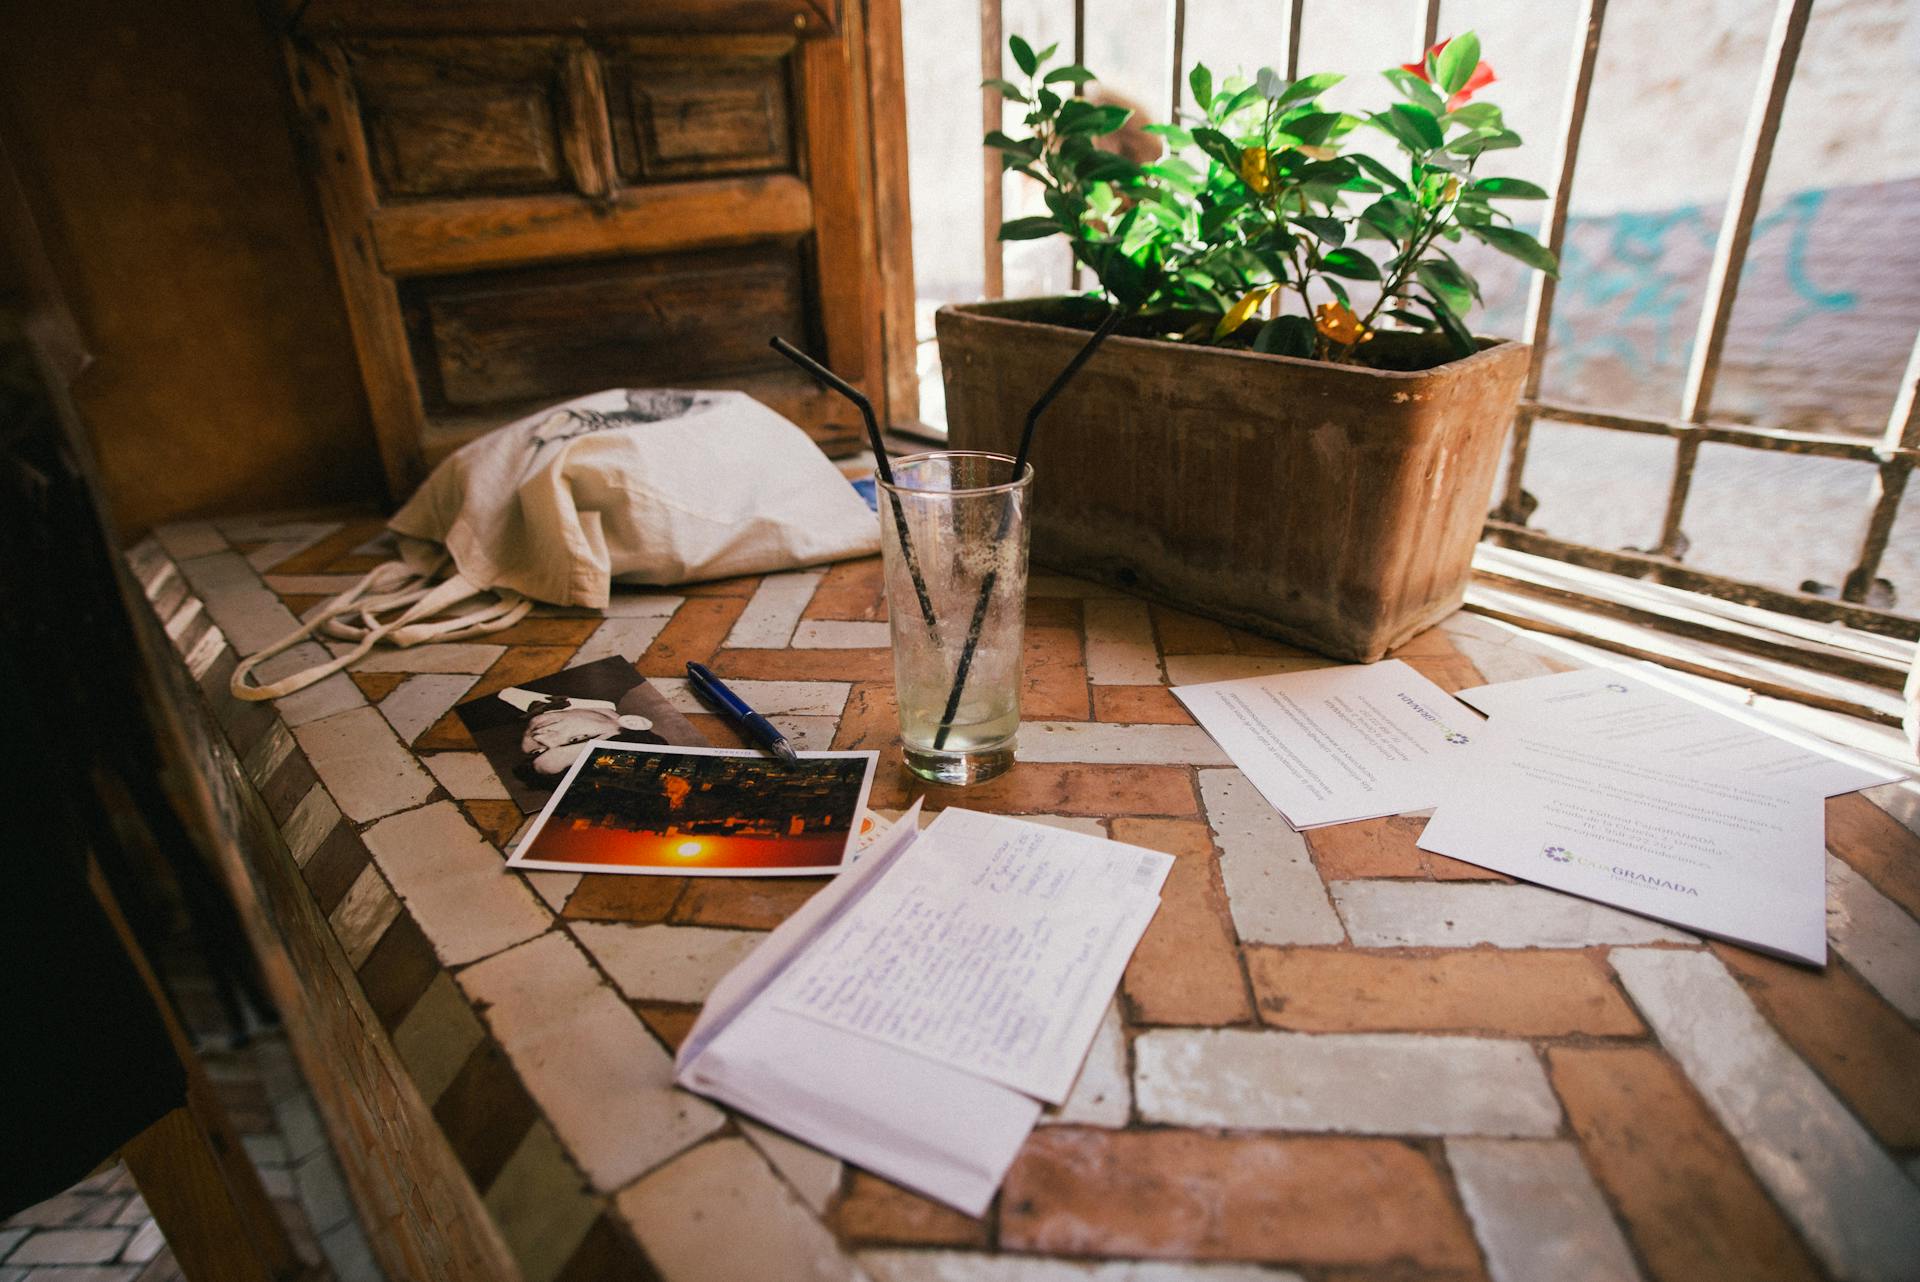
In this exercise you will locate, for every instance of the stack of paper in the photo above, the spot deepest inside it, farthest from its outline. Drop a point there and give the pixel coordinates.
(912, 1017)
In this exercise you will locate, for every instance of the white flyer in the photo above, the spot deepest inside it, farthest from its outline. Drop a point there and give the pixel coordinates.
(997, 957)
(1711, 850)
(1337, 744)
(1606, 706)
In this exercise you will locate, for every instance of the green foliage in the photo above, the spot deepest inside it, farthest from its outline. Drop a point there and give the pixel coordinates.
(1257, 198)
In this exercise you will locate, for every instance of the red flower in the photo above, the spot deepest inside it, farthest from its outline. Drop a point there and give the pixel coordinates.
(1482, 76)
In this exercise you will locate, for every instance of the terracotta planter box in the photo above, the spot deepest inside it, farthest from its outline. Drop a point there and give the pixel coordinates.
(1335, 507)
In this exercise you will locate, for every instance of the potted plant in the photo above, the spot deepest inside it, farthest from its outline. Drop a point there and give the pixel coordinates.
(1293, 429)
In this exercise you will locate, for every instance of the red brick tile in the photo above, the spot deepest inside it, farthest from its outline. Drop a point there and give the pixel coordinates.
(741, 588)
(1184, 1194)
(748, 903)
(875, 1212)
(1055, 688)
(871, 720)
(448, 734)
(718, 731)
(1691, 1205)
(1183, 633)
(1139, 705)
(605, 896)
(696, 630)
(1878, 846)
(1186, 969)
(298, 603)
(804, 665)
(1445, 869)
(1861, 1045)
(1245, 642)
(1049, 788)
(321, 557)
(850, 590)
(669, 1021)
(519, 664)
(1054, 612)
(498, 819)
(1368, 848)
(377, 685)
(1433, 643)
(1501, 992)
(570, 630)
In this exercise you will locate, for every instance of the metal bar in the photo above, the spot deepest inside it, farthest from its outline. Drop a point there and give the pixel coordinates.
(1177, 20)
(1080, 59)
(1673, 574)
(1730, 250)
(1903, 430)
(1293, 39)
(1431, 36)
(992, 188)
(1753, 438)
(1540, 292)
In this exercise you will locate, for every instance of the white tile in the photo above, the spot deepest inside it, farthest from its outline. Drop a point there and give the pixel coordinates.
(968, 1266)
(148, 561)
(1198, 669)
(539, 1206)
(598, 1075)
(1855, 1207)
(814, 1175)
(1352, 1083)
(842, 634)
(185, 540)
(146, 1243)
(630, 603)
(265, 757)
(1273, 889)
(1876, 936)
(624, 638)
(1120, 646)
(807, 734)
(270, 528)
(419, 701)
(467, 776)
(323, 698)
(434, 656)
(243, 607)
(1103, 1093)
(720, 1214)
(666, 963)
(369, 772)
(768, 698)
(1538, 1213)
(1901, 800)
(363, 915)
(554, 887)
(188, 614)
(311, 584)
(205, 652)
(1441, 914)
(311, 823)
(436, 1036)
(451, 880)
(773, 612)
(1132, 745)
(1072, 823)
(268, 555)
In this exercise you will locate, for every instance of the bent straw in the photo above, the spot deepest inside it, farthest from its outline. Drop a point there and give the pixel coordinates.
(1106, 327)
(880, 465)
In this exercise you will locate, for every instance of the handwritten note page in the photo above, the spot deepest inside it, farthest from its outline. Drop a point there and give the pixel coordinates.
(1610, 707)
(1711, 850)
(1337, 744)
(992, 946)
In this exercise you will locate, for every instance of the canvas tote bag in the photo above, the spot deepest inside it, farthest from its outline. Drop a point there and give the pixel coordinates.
(641, 486)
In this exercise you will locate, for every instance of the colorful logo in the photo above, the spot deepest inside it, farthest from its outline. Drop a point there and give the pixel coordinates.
(1454, 736)
(1559, 854)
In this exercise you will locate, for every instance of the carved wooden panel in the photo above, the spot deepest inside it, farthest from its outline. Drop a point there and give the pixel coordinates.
(677, 117)
(544, 333)
(453, 117)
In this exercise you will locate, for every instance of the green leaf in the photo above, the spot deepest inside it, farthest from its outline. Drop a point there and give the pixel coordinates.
(1200, 80)
(1517, 244)
(1416, 90)
(1105, 167)
(1028, 229)
(1286, 336)
(1313, 127)
(1454, 64)
(1174, 134)
(1381, 172)
(1484, 140)
(1415, 128)
(1024, 148)
(1269, 83)
(1049, 103)
(1219, 146)
(1446, 283)
(1392, 216)
(1227, 107)
(1413, 320)
(1078, 116)
(1023, 54)
(1350, 263)
(1309, 87)
(1459, 338)
(1078, 74)
(1046, 53)
(1007, 89)
(1510, 189)
(1475, 115)
(1331, 231)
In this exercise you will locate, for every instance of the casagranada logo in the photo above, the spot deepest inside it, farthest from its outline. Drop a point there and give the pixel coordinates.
(1421, 710)
(1561, 855)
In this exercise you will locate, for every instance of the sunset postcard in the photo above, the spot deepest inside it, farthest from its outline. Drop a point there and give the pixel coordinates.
(714, 812)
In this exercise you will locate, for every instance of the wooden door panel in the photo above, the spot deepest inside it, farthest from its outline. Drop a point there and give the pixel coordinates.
(688, 108)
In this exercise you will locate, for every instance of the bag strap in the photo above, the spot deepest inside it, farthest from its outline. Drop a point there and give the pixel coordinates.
(354, 616)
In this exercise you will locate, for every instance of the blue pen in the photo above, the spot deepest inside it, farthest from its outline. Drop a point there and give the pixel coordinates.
(757, 726)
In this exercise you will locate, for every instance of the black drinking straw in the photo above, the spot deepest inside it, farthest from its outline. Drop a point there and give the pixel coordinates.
(880, 465)
(1110, 323)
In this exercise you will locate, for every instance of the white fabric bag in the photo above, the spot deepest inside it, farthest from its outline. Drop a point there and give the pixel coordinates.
(654, 487)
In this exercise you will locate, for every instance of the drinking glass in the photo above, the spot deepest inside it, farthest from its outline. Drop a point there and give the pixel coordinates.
(954, 540)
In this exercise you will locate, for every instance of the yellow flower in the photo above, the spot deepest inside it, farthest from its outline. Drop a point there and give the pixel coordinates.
(1452, 189)
(1337, 323)
(1255, 171)
(1239, 313)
